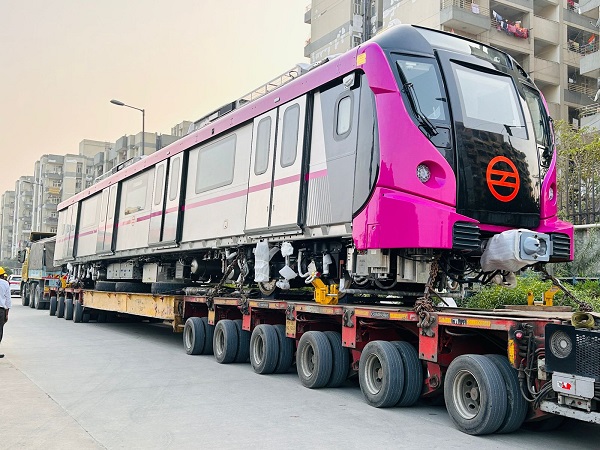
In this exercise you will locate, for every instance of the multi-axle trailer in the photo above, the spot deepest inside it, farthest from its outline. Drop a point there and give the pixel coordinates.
(495, 369)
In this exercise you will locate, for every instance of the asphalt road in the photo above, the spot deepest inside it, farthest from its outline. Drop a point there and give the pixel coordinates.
(131, 385)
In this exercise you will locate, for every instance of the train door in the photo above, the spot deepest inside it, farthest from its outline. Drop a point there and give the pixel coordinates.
(158, 203)
(275, 182)
(172, 212)
(72, 215)
(106, 223)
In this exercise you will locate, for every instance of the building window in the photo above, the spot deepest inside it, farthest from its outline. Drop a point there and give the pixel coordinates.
(78, 184)
(79, 168)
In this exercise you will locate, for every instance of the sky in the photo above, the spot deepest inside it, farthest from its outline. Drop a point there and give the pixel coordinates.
(62, 61)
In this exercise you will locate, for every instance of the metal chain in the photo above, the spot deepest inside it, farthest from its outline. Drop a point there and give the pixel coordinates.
(424, 305)
(583, 306)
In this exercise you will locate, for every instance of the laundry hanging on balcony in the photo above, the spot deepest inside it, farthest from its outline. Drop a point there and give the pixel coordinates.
(509, 27)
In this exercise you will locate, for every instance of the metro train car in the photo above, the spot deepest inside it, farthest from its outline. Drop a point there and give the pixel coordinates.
(414, 150)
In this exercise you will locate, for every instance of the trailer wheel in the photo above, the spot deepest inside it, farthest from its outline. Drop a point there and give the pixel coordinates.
(105, 286)
(341, 360)
(413, 373)
(381, 374)
(314, 359)
(24, 295)
(102, 317)
(53, 305)
(517, 406)
(69, 309)
(286, 350)
(264, 349)
(31, 293)
(60, 307)
(39, 297)
(208, 338)
(194, 335)
(77, 312)
(243, 351)
(475, 394)
(225, 341)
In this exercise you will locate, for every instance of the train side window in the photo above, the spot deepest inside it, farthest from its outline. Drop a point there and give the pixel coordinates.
(173, 182)
(111, 205)
(289, 140)
(263, 143)
(215, 165)
(343, 114)
(89, 212)
(135, 197)
(159, 184)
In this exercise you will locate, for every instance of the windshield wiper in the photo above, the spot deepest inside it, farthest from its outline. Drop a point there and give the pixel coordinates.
(409, 90)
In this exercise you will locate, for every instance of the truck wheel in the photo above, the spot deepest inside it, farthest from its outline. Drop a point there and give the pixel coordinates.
(517, 406)
(243, 351)
(39, 297)
(194, 336)
(314, 359)
(225, 341)
(475, 394)
(24, 295)
(341, 360)
(69, 309)
(208, 340)
(285, 358)
(105, 286)
(53, 305)
(78, 312)
(60, 307)
(32, 295)
(102, 317)
(264, 349)
(413, 373)
(381, 374)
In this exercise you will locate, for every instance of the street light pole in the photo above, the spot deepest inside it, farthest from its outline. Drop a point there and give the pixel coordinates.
(120, 103)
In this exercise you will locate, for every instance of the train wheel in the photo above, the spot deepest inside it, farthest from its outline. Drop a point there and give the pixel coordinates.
(60, 307)
(208, 339)
(286, 350)
(69, 309)
(194, 335)
(517, 405)
(381, 374)
(314, 359)
(225, 341)
(475, 394)
(243, 351)
(53, 305)
(264, 349)
(413, 373)
(341, 360)
(78, 312)
(39, 297)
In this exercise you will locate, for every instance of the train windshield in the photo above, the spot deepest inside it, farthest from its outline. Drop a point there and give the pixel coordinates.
(489, 102)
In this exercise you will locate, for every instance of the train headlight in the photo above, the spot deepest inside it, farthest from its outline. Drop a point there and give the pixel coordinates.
(561, 344)
(423, 173)
(551, 193)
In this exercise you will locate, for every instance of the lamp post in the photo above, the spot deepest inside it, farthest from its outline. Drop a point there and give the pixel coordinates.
(120, 103)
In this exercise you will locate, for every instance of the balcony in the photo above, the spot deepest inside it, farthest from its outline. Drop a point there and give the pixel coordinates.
(588, 5)
(579, 94)
(588, 116)
(546, 71)
(590, 59)
(50, 220)
(546, 30)
(580, 20)
(307, 14)
(465, 16)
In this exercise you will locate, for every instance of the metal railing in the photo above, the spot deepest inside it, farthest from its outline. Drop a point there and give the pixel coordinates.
(589, 110)
(585, 90)
(582, 49)
(467, 5)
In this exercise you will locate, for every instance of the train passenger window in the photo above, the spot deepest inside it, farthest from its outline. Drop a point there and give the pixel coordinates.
(344, 116)
(89, 212)
(159, 184)
(289, 140)
(135, 194)
(174, 179)
(111, 204)
(263, 143)
(216, 164)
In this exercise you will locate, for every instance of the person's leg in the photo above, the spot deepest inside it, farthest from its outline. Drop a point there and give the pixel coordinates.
(2, 319)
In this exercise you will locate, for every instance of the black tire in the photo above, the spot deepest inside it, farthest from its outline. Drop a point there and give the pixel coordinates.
(194, 336)
(517, 406)
(413, 373)
(24, 295)
(314, 359)
(341, 360)
(243, 351)
(39, 297)
(102, 317)
(69, 309)
(77, 312)
(32, 295)
(105, 286)
(225, 341)
(85, 318)
(60, 307)
(134, 288)
(53, 305)
(208, 338)
(165, 287)
(286, 350)
(381, 374)
(475, 414)
(264, 349)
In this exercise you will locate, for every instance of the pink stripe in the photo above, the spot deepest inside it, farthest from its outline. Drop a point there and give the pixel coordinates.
(287, 180)
(221, 198)
(259, 187)
(87, 233)
(317, 174)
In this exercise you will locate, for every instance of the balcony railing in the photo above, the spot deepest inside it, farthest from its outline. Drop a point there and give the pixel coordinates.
(582, 49)
(585, 90)
(589, 110)
(467, 5)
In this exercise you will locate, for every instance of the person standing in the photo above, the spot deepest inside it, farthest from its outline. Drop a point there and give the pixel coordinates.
(5, 302)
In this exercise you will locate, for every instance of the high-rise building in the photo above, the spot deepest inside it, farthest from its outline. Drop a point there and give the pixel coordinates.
(555, 41)
(7, 215)
(22, 219)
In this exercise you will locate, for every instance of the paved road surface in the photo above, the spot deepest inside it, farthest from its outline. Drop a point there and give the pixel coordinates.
(131, 385)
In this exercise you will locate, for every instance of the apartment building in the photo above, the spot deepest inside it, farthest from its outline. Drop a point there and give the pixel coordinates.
(22, 218)
(556, 41)
(7, 212)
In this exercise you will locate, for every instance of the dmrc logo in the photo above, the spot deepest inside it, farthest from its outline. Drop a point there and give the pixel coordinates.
(507, 178)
